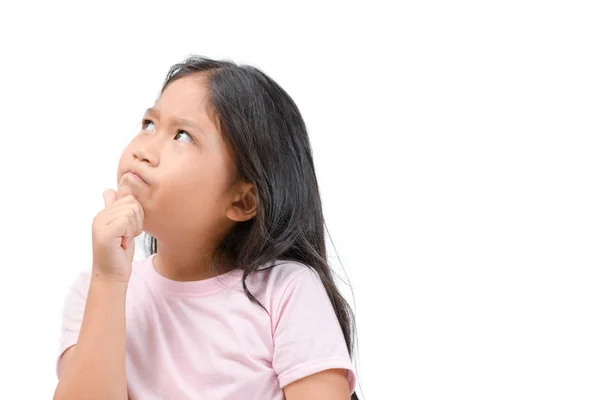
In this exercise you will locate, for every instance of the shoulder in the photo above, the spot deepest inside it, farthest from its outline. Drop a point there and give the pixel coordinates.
(281, 282)
(281, 273)
(280, 276)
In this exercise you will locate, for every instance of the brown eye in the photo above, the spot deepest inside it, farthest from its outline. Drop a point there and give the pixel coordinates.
(190, 136)
(145, 123)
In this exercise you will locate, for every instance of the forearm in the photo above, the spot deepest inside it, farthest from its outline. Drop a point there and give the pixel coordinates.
(97, 368)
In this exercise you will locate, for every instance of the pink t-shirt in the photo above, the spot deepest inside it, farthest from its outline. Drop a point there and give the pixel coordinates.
(205, 339)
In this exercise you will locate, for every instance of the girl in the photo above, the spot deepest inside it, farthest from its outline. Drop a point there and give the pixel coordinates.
(236, 300)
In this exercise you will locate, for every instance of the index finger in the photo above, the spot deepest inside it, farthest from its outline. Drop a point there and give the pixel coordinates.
(124, 190)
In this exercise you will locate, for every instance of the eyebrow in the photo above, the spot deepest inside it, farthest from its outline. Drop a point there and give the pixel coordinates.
(179, 121)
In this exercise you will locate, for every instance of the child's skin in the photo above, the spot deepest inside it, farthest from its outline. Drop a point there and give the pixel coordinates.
(191, 200)
(97, 368)
(188, 199)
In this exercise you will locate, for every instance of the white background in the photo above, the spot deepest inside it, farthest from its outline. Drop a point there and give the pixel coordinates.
(456, 145)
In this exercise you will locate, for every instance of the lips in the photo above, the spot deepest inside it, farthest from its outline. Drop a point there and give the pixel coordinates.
(137, 174)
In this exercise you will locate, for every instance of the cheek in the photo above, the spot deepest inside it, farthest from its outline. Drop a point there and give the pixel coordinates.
(186, 184)
(191, 195)
(181, 186)
(194, 190)
(201, 175)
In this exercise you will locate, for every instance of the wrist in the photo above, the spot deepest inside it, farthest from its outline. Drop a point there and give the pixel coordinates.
(105, 279)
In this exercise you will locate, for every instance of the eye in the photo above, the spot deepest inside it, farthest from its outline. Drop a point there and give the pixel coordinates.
(145, 122)
(184, 132)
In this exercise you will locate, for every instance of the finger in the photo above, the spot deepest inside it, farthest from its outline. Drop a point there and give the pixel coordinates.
(134, 223)
(113, 212)
(124, 190)
(123, 228)
(130, 198)
(127, 208)
(133, 227)
(138, 210)
(123, 201)
(126, 212)
(140, 215)
(109, 196)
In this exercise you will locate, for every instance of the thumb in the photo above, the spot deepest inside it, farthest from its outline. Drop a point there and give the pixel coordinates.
(109, 196)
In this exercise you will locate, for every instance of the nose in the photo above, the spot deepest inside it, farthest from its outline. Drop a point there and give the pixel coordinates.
(146, 152)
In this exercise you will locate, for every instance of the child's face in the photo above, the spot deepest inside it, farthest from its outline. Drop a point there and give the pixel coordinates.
(187, 169)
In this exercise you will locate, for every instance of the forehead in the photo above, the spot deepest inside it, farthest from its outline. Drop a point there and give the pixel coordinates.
(187, 96)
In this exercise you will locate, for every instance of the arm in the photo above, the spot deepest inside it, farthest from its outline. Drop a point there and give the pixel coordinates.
(95, 369)
(331, 384)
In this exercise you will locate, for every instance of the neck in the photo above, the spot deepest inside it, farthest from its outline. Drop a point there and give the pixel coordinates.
(182, 262)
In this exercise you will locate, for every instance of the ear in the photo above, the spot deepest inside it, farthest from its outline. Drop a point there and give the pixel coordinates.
(243, 206)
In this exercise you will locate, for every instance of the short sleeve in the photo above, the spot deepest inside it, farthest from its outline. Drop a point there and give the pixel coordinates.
(72, 314)
(307, 336)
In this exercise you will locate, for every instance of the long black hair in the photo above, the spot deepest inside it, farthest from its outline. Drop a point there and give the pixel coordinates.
(271, 149)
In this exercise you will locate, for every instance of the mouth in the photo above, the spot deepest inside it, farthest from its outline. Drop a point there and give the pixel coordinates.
(136, 176)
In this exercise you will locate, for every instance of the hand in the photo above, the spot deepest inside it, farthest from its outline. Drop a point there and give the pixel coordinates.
(113, 232)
